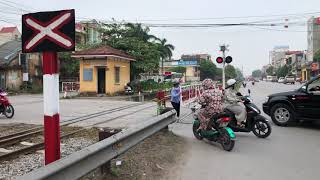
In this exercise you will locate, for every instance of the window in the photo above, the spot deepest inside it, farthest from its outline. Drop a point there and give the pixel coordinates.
(314, 87)
(87, 74)
(117, 75)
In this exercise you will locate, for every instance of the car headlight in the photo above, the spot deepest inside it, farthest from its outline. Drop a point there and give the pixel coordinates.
(267, 99)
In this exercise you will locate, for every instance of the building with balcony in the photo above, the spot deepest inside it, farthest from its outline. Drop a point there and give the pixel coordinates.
(278, 55)
(313, 37)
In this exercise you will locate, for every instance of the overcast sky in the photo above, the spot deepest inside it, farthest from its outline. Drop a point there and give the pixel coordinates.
(249, 46)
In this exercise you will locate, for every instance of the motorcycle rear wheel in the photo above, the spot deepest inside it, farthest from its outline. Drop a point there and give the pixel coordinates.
(196, 133)
(226, 141)
(9, 111)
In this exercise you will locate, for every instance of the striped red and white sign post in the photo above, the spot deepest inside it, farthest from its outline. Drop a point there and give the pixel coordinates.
(51, 106)
(49, 33)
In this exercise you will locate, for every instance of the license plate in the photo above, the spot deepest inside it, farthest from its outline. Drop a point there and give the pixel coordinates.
(224, 124)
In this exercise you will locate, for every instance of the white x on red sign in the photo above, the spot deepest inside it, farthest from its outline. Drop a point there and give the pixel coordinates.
(49, 30)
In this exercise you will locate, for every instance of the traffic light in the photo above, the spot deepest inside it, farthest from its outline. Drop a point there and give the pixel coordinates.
(228, 59)
(219, 60)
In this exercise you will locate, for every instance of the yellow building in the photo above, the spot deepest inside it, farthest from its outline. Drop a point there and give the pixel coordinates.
(192, 68)
(103, 70)
(305, 72)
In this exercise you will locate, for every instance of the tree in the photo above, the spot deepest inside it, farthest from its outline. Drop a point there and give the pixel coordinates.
(136, 40)
(270, 71)
(137, 31)
(230, 72)
(257, 73)
(166, 51)
(69, 67)
(239, 74)
(179, 69)
(282, 71)
(209, 70)
(316, 57)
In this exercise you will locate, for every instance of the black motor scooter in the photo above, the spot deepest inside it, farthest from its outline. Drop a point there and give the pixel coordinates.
(255, 122)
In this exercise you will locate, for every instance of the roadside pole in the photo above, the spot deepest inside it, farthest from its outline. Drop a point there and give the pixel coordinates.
(223, 49)
(51, 106)
(49, 33)
(223, 69)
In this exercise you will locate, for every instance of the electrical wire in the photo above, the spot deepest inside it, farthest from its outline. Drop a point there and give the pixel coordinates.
(19, 4)
(13, 6)
(234, 17)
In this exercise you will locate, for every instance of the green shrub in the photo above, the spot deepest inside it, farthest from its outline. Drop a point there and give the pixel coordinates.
(151, 85)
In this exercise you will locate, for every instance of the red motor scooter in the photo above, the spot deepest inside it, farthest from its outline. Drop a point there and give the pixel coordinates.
(5, 106)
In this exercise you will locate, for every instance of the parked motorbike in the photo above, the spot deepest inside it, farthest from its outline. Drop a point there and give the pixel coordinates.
(219, 132)
(128, 90)
(255, 122)
(5, 106)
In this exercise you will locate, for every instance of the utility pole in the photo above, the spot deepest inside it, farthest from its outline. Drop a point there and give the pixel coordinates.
(223, 48)
(162, 67)
(242, 70)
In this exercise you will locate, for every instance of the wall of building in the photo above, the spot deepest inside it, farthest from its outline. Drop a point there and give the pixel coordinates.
(189, 71)
(89, 86)
(13, 79)
(313, 38)
(111, 86)
(110, 64)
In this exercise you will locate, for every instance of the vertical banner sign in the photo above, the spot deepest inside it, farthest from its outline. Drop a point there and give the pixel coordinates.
(49, 33)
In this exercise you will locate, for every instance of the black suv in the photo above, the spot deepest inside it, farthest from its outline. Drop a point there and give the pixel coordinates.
(300, 104)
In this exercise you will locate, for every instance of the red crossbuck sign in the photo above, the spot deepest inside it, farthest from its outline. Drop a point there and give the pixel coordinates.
(49, 30)
(52, 31)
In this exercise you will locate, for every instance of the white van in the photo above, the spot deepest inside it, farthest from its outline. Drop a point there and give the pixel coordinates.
(272, 79)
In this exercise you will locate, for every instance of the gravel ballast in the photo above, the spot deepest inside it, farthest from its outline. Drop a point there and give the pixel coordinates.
(27, 163)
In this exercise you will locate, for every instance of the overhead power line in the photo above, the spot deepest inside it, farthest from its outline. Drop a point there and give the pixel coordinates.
(19, 4)
(233, 17)
(13, 6)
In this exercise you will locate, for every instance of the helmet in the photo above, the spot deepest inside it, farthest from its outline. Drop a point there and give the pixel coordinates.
(175, 83)
(231, 82)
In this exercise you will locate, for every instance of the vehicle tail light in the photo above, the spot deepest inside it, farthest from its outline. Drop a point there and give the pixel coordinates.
(225, 119)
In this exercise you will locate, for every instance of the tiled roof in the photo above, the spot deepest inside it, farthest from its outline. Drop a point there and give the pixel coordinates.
(293, 52)
(79, 27)
(102, 51)
(8, 29)
(9, 51)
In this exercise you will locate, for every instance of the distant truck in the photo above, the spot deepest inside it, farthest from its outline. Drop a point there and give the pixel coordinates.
(174, 77)
(289, 80)
(272, 79)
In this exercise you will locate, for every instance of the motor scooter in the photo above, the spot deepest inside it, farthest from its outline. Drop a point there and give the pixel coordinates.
(5, 106)
(255, 122)
(218, 131)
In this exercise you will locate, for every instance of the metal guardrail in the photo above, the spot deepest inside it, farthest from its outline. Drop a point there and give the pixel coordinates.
(84, 161)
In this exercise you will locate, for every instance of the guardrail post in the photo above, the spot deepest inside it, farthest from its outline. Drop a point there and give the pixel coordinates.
(103, 134)
(167, 109)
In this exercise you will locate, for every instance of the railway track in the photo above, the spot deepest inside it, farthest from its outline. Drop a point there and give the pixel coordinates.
(15, 138)
(22, 135)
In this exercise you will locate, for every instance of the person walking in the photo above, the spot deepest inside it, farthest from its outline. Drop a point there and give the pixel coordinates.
(175, 97)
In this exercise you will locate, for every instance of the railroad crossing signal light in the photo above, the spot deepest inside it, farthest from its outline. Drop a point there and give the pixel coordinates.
(219, 60)
(228, 59)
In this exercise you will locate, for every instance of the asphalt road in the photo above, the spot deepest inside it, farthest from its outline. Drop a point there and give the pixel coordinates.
(289, 153)
(29, 110)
